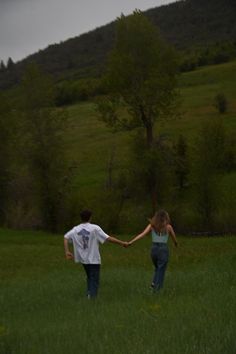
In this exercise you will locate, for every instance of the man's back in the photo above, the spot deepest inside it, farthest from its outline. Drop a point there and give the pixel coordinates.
(86, 238)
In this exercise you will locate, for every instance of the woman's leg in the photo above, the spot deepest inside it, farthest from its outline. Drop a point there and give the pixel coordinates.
(162, 261)
(154, 257)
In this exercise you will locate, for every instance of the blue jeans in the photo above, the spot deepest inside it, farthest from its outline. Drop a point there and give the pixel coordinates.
(160, 257)
(93, 276)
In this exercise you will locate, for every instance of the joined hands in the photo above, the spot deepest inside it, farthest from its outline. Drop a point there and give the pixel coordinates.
(127, 244)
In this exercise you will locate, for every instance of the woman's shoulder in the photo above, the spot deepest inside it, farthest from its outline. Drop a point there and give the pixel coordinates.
(169, 227)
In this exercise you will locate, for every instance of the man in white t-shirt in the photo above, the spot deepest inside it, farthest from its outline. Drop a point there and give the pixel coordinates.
(86, 238)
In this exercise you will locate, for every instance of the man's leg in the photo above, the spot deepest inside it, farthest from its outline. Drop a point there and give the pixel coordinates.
(94, 279)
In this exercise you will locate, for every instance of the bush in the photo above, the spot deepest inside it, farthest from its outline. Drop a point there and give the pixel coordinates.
(221, 103)
(70, 92)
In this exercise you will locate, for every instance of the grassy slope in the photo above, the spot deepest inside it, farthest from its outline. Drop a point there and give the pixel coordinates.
(44, 311)
(91, 142)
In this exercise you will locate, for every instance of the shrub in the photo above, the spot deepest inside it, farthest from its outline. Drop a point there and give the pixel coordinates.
(221, 103)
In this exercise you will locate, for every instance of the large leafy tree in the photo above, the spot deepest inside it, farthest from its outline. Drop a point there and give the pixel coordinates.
(141, 81)
(45, 144)
(141, 76)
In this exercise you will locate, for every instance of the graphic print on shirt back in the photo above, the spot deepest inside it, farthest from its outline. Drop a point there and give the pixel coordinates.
(85, 237)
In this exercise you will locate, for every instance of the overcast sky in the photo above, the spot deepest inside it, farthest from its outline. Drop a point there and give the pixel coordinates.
(29, 25)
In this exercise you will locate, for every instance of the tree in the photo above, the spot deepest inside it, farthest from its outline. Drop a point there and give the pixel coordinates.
(141, 81)
(45, 144)
(210, 162)
(10, 63)
(221, 103)
(151, 170)
(141, 76)
(181, 161)
(2, 66)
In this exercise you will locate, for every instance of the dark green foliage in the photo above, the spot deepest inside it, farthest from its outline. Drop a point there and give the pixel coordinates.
(10, 64)
(2, 66)
(217, 53)
(221, 103)
(229, 164)
(141, 75)
(45, 128)
(112, 195)
(151, 171)
(181, 161)
(185, 24)
(5, 135)
(209, 168)
(69, 92)
(196, 22)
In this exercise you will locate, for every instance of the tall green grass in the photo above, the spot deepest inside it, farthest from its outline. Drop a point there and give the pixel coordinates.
(44, 309)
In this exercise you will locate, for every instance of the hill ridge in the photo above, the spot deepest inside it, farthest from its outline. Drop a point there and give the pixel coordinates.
(183, 23)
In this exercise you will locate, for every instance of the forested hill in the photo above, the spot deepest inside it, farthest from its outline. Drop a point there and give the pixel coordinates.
(186, 24)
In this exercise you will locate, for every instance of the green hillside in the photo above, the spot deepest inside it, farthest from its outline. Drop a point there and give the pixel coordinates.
(92, 139)
(91, 142)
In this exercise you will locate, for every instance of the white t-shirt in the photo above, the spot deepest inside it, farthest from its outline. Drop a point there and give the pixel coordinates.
(86, 238)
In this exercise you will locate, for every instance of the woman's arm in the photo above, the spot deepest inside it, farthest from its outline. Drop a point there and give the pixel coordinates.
(172, 235)
(144, 233)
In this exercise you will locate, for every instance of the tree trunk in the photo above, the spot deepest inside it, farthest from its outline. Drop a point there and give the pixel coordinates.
(149, 135)
(147, 122)
(154, 199)
(148, 126)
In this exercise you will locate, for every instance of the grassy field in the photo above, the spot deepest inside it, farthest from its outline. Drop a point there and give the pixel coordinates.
(44, 309)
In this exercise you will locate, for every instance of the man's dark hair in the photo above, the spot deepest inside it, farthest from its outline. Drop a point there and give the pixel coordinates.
(85, 215)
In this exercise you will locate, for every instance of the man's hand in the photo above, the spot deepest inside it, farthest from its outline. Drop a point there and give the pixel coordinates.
(125, 244)
(69, 255)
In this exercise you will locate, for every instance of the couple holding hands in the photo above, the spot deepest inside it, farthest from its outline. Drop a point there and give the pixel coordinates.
(86, 238)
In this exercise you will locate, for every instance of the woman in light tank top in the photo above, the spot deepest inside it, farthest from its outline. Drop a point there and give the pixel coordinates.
(160, 229)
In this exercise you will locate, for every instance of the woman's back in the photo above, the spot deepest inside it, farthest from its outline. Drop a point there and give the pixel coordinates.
(160, 236)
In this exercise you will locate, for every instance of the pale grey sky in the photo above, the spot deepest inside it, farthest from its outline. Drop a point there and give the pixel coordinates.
(29, 25)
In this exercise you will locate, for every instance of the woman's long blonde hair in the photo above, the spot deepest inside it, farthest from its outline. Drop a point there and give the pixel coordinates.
(159, 220)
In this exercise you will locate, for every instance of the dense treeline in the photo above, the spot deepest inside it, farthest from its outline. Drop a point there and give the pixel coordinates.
(72, 91)
(36, 173)
(38, 185)
(141, 77)
(220, 52)
(187, 24)
(39, 188)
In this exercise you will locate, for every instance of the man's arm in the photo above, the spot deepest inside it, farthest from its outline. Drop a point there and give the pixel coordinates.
(117, 241)
(68, 254)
